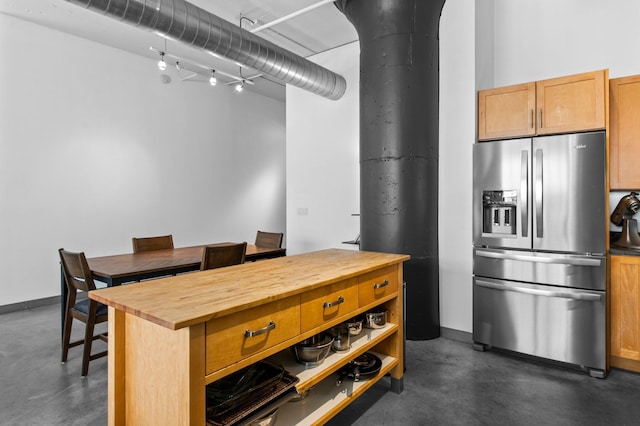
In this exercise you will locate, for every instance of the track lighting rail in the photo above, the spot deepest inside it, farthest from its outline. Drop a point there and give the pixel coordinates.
(181, 63)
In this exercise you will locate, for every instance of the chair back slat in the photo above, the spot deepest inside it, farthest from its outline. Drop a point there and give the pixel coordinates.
(163, 242)
(76, 271)
(219, 256)
(269, 239)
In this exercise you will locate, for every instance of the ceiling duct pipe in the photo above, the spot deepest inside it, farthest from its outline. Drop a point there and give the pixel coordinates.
(198, 28)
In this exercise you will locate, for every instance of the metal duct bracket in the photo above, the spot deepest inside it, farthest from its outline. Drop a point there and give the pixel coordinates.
(198, 28)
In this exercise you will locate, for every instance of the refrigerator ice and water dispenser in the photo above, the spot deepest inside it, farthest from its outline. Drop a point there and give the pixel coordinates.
(499, 212)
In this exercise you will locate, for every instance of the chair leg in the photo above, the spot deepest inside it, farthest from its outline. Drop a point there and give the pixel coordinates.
(66, 337)
(88, 340)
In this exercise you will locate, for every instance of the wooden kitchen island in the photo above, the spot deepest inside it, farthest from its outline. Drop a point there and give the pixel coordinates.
(169, 338)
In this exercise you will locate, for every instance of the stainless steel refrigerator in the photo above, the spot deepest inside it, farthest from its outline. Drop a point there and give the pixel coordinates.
(539, 224)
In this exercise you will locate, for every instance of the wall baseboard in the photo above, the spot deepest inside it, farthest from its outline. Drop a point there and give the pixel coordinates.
(458, 335)
(29, 304)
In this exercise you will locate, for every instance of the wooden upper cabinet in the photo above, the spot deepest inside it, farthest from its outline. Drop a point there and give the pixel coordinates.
(572, 103)
(507, 111)
(558, 105)
(624, 136)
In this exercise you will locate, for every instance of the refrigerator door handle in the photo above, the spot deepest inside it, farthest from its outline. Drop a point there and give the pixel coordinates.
(582, 261)
(524, 195)
(575, 295)
(539, 197)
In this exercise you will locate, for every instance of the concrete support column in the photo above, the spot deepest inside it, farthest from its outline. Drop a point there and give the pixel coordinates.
(399, 103)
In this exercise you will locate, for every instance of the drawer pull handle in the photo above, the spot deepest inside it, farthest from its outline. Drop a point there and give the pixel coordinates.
(249, 333)
(381, 285)
(330, 304)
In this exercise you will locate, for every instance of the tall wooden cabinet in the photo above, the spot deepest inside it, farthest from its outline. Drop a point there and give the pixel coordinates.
(171, 337)
(625, 312)
(558, 105)
(624, 154)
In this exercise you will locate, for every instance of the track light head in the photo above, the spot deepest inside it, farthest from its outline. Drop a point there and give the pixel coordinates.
(213, 81)
(162, 65)
(240, 86)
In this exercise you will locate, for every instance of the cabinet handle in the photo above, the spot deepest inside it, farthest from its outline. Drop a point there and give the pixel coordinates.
(540, 123)
(249, 333)
(330, 304)
(381, 285)
(531, 118)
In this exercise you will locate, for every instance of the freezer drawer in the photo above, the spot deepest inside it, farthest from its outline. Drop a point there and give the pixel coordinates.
(551, 322)
(587, 272)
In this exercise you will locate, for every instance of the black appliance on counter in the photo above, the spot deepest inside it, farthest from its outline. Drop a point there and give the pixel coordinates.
(628, 206)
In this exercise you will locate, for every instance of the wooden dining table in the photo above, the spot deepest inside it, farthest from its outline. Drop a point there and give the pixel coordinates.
(129, 267)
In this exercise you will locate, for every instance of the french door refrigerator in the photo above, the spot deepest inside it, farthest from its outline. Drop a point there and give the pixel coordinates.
(539, 256)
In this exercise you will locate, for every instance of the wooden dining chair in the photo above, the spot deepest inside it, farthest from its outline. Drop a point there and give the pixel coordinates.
(269, 239)
(78, 278)
(163, 242)
(221, 255)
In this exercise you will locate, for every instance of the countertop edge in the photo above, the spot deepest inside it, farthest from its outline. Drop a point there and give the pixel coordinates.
(103, 295)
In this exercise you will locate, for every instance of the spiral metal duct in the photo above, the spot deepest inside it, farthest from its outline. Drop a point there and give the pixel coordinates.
(198, 28)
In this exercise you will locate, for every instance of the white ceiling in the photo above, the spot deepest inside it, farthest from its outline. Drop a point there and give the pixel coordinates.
(316, 31)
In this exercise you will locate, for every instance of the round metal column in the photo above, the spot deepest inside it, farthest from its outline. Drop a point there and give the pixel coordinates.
(399, 81)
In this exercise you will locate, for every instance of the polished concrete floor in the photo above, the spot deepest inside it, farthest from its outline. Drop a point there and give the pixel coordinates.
(446, 383)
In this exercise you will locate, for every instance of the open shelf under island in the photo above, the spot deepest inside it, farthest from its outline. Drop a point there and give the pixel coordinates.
(169, 338)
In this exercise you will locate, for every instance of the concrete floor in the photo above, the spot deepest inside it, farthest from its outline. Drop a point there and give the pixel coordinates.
(446, 383)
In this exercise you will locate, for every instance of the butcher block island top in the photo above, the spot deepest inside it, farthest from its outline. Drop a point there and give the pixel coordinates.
(169, 338)
(184, 300)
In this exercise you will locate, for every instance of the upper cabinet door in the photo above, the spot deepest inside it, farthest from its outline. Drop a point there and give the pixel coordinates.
(506, 112)
(572, 103)
(624, 138)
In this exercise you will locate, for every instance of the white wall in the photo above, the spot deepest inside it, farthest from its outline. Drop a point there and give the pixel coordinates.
(94, 150)
(323, 172)
(543, 39)
(457, 135)
(484, 51)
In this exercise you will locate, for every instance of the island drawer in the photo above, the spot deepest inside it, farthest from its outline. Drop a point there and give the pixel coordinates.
(234, 337)
(377, 284)
(328, 303)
